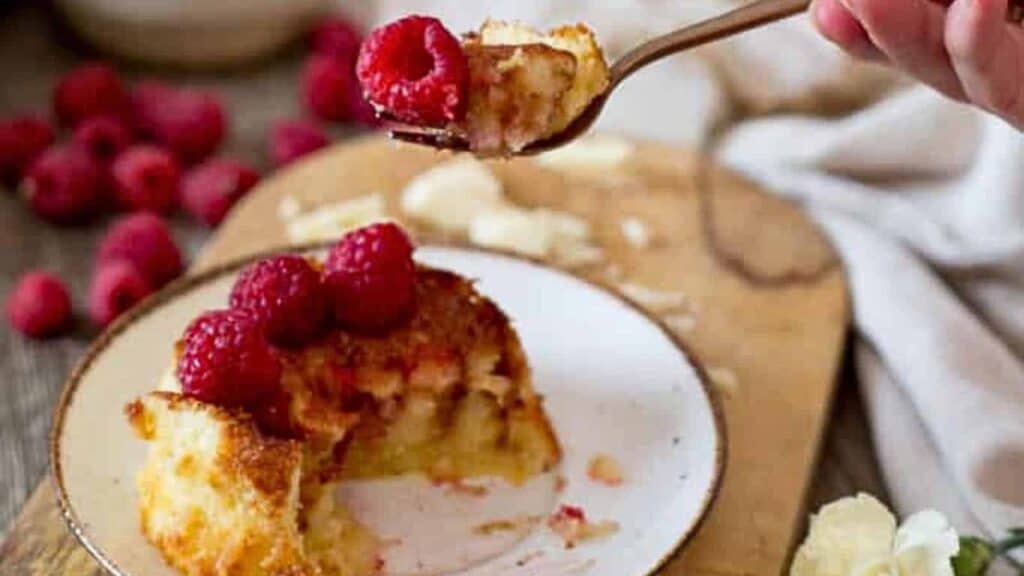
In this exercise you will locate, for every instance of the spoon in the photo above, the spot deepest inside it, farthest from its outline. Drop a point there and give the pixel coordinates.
(750, 16)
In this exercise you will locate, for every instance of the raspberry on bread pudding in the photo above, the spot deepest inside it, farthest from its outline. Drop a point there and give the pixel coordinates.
(430, 378)
(506, 87)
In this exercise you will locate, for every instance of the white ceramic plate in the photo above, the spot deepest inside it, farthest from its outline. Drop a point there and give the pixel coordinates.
(614, 380)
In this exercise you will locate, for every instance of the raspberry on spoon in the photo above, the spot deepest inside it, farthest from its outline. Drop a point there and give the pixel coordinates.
(371, 277)
(416, 70)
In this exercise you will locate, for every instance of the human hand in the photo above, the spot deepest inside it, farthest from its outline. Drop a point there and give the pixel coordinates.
(967, 51)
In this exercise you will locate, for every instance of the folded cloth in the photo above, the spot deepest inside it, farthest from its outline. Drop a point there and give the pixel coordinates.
(943, 379)
(923, 199)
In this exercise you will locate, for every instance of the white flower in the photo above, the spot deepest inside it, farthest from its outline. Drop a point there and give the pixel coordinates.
(857, 536)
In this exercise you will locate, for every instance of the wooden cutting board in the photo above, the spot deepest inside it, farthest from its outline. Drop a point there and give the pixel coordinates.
(765, 311)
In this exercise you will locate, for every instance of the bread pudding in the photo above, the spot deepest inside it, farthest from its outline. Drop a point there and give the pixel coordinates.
(217, 496)
(239, 487)
(526, 86)
(498, 89)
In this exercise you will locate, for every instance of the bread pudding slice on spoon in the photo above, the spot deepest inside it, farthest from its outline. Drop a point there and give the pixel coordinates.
(499, 89)
(362, 366)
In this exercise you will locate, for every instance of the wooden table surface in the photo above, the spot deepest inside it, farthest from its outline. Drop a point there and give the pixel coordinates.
(32, 54)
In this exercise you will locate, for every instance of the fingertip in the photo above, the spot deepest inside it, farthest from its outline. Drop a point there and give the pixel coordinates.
(841, 27)
(973, 26)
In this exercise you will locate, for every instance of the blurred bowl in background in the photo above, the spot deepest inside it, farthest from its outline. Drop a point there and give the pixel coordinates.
(191, 33)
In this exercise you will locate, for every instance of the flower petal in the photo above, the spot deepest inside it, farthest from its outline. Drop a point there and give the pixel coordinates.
(925, 545)
(851, 534)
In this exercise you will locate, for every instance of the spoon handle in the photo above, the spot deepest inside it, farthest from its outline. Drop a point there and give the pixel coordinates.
(750, 16)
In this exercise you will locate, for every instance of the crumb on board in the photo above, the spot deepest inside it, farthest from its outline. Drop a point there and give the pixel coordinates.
(681, 322)
(560, 483)
(656, 300)
(636, 232)
(724, 380)
(605, 469)
(571, 524)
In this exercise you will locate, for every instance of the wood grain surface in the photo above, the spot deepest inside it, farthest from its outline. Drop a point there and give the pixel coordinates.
(32, 55)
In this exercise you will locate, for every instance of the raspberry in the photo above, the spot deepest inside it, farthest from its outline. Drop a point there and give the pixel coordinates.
(116, 287)
(416, 70)
(145, 242)
(103, 138)
(209, 190)
(326, 85)
(146, 100)
(225, 360)
(39, 305)
(336, 37)
(146, 179)
(371, 278)
(87, 91)
(285, 295)
(63, 186)
(22, 140)
(292, 139)
(360, 108)
(189, 123)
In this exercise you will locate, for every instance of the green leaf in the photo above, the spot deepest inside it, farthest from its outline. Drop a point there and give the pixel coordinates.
(974, 557)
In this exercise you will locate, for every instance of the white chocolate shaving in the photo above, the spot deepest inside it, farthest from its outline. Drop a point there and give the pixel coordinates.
(331, 221)
(451, 195)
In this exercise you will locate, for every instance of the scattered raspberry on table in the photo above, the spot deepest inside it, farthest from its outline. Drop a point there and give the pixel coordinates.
(145, 241)
(209, 190)
(87, 91)
(39, 305)
(146, 179)
(63, 186)
(22, 139)
(292, 139)
(116, 287)
(103, 138)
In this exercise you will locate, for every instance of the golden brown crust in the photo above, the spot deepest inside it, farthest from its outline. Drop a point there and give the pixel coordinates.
(217, 497)
(332, 381)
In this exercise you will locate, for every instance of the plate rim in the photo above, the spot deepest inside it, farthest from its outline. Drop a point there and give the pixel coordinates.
(190, 281)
